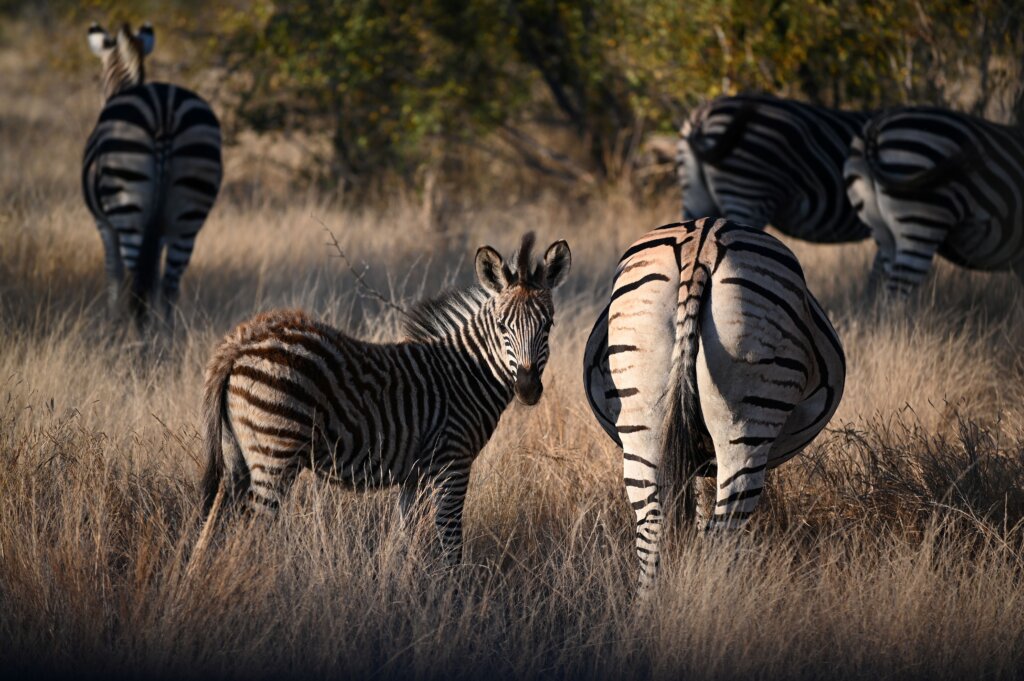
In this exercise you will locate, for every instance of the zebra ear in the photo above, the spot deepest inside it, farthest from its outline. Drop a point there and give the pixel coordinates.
(99, 40)
(147, 38)
(557, 261)
(491, 270)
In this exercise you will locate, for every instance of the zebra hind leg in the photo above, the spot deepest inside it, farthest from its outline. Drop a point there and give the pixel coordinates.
(741, 469)
(114, 268)
(179, 252)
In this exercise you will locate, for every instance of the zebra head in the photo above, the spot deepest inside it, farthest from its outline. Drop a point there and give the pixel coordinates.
(523, 308)
(122, 56)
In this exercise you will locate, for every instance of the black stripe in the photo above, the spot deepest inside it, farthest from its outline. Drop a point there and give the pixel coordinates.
(641, 247)
(623, 290)
(620, 392)
(767, 403)
(740, 496)
(749, 470)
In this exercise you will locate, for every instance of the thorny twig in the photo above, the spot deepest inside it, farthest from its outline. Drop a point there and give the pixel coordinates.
(360, 277)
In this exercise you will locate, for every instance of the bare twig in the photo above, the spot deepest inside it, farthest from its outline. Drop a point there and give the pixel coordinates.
(360, 277)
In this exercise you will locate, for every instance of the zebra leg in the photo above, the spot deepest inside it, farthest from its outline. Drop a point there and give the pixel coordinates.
(270, 480)
(879, 268)
(741, 470)
(114, 267)
(407, 497)
(916, 229)
(179, 252)
(910, 266)
(641, 458)
(449, 498)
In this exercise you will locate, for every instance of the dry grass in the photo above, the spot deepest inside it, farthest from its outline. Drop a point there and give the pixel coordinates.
(891, 548)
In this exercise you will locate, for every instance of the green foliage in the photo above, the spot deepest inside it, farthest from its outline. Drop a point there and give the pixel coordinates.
(399, 85)
(383, 78)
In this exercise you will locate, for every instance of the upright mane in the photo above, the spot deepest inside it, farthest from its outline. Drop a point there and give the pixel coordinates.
(440, 316)
(125, 63)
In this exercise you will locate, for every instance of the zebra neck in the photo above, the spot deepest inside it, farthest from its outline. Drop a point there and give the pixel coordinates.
(476, 350)
(120, 74)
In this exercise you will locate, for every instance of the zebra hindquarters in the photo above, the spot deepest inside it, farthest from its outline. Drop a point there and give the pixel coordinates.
(751, 374)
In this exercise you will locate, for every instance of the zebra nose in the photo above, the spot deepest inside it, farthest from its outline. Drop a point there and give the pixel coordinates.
(528, 386)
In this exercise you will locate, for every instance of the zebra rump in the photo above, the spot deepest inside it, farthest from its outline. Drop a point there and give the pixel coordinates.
(929, 180)
(712, 358)
(760, 160)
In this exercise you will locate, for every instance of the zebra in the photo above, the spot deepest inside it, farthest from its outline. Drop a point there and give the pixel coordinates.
(150, 174)
(761, 160)
(928, 180)
(711, 359)
(285, 392)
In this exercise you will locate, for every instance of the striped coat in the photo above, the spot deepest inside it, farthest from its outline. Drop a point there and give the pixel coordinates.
(762, 160)
(150, 174)
(931, 181)
(286, 392)
(712, 358)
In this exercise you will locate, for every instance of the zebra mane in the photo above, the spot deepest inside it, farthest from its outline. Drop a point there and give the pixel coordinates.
(438, 317)
(125, 64)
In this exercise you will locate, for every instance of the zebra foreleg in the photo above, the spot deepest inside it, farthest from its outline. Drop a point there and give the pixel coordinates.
(449, 498)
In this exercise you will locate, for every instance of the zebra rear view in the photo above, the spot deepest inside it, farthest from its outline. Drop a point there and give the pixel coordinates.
(929, 181)
(286, 392)
(763, 160)
(711, 359)
(151, 172)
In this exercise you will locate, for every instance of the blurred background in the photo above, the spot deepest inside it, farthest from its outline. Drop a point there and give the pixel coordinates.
(497, 100)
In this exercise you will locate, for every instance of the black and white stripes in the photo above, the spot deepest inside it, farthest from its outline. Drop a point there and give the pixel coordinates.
(150, 174)
(761, 160)
(285, 391)
(933, 181)
(711, 358)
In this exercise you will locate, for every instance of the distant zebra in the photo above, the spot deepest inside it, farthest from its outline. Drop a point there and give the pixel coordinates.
(761, 160)
(711, 359)
(151, 172)
(284, 392)
(929, 180)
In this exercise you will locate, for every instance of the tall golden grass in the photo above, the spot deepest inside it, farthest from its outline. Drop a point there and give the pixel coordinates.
(892, 547)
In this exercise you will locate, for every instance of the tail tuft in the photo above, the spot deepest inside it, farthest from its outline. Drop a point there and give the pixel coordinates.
(683, 431)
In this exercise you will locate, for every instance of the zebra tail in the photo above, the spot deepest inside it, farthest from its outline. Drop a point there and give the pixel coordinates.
(215, 414)
(683, 429)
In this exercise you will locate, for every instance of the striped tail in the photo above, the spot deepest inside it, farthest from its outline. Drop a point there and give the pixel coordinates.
(215, 414)
(683, 429)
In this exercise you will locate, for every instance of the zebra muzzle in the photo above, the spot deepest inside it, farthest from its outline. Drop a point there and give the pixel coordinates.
(528, 387)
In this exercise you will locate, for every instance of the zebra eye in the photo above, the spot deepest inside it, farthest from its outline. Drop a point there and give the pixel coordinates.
(502, 326)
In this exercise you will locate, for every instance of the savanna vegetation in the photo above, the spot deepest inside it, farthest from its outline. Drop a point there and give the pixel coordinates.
(893, 547)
